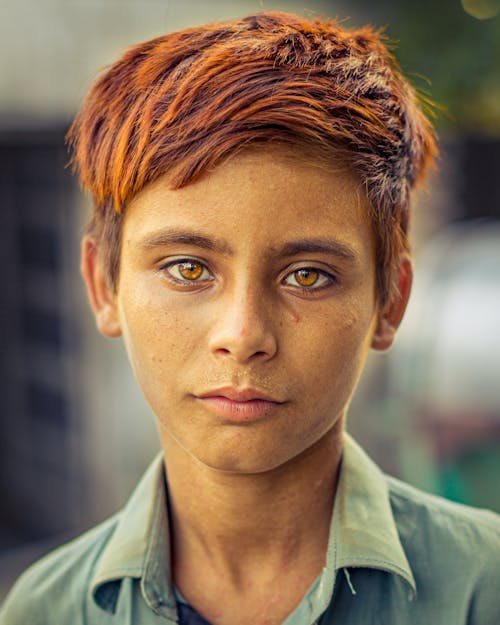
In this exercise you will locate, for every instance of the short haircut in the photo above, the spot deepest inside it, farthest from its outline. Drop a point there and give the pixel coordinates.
(181, 103)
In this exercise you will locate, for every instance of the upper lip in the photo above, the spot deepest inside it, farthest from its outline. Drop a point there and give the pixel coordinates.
(244, 394)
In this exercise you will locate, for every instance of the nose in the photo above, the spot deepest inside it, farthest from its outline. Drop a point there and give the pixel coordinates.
(244, 330)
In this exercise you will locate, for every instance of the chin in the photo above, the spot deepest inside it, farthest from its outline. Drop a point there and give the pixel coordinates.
(240, 465)
(252, 460)
(242, 461)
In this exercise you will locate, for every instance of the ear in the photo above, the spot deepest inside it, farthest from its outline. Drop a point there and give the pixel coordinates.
(101, 297)
(391, 315)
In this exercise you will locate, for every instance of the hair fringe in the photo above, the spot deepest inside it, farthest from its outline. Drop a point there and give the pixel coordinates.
(181, 103)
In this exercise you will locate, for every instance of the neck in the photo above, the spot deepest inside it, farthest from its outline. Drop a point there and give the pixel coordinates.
(238, 524)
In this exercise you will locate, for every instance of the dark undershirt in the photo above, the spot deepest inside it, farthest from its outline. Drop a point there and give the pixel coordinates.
(188, 616)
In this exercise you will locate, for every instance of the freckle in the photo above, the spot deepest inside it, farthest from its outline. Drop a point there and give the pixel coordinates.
(351, 322)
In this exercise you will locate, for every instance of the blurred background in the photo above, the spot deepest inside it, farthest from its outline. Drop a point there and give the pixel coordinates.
(75, 433)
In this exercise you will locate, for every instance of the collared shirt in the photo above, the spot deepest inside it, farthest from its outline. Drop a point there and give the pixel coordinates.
(396, 556)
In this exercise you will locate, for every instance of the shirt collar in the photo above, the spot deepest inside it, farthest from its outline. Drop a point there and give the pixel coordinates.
(140, 547)
(363, 533)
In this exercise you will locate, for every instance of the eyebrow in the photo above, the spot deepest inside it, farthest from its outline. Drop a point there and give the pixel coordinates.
(321, 246)
(164, 238)
(170, 237)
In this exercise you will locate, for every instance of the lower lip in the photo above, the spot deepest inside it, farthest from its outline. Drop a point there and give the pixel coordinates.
(247, 411)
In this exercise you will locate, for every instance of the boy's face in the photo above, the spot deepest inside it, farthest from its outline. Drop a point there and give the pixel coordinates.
(247, 302)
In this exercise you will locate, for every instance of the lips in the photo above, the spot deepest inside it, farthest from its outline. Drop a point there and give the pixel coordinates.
(243, 405)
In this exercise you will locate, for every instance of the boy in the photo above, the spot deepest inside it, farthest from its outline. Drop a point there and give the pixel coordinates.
(251, 184)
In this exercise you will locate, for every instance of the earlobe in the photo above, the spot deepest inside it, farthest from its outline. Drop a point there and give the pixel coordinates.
(101, 298)
(391, 315)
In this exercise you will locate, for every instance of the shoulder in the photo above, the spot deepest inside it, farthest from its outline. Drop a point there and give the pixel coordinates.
(54, 589)
(431, 516)
(450, 547)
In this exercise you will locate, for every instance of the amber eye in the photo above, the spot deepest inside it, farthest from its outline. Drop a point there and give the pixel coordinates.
(187, 272)
(310, 279)
(306, 277)
(190, 270)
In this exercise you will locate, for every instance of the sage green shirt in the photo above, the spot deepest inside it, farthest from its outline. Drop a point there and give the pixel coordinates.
(396, 556)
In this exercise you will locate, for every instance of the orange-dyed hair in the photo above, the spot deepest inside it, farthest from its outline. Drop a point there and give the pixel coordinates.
(181, 103)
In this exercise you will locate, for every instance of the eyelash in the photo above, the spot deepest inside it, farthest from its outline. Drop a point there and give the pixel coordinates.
(322, 275)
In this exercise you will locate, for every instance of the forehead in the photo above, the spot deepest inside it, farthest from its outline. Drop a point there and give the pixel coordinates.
(258, 196)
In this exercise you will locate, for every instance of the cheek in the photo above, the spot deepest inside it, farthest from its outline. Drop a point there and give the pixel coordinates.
(336, 349)
(158, 339)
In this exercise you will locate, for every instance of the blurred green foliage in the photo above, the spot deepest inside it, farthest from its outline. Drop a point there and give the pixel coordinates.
(449, 55)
